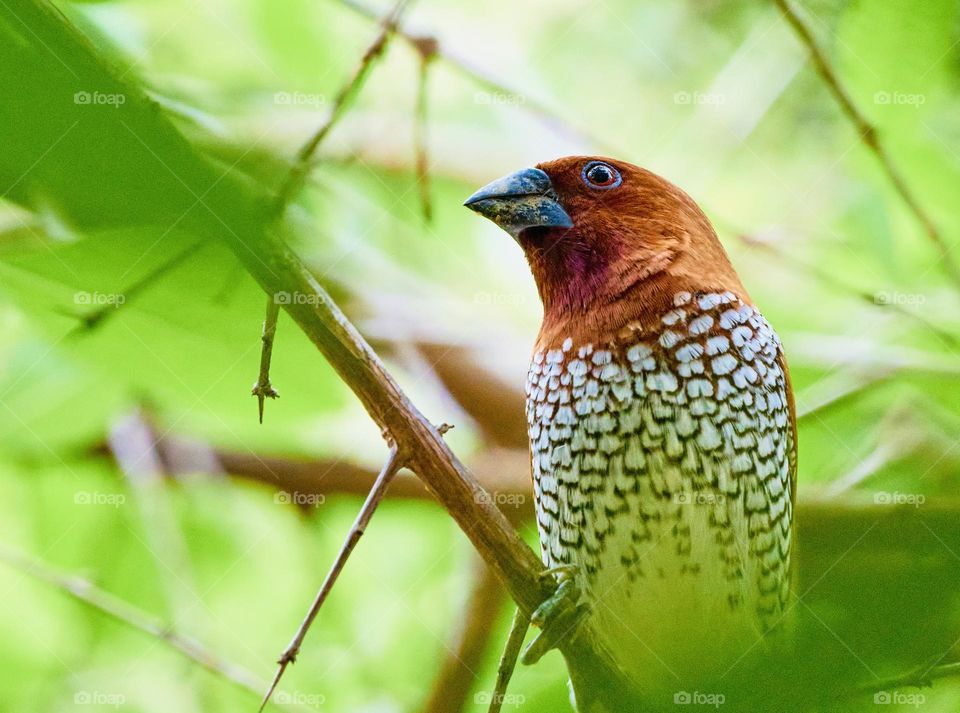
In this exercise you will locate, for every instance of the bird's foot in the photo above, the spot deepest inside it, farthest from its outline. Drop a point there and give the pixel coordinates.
(558, 616)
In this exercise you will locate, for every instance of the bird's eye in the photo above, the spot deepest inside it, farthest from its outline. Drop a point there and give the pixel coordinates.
(597, 174)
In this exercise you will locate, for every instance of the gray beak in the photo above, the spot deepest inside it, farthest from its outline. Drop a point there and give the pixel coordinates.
(524, 199)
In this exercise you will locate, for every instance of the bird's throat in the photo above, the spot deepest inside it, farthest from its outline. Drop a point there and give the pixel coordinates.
(590, 294)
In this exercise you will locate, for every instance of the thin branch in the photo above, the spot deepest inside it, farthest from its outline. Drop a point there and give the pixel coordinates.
(508, 660)
(880, 457)
(298, 174)
(88, 594)
(263, 389)
(289, 656)
(94, 319)
(341, 103)
(869, 137)
(504, 474)
(546, 114)
(873, 299)
(278, 269)
(807, 407)
(921, 677)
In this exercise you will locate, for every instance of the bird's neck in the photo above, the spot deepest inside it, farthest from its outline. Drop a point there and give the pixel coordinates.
(592, 306)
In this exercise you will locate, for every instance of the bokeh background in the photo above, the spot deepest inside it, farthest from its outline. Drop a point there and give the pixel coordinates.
(134, 474)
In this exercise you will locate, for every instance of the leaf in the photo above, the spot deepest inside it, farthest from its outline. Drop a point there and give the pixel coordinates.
(100, 157)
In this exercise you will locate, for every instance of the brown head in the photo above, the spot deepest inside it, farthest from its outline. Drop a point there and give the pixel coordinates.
(609, 243)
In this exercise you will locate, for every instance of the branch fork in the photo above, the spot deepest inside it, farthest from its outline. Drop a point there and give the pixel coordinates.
(391, 467)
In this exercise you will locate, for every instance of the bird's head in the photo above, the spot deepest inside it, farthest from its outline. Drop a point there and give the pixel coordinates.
(609, 243)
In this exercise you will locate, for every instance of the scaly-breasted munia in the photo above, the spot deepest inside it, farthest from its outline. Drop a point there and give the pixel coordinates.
(661, 419)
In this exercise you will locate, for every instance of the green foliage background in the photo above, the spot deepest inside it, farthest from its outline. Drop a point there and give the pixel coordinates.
(717, 96)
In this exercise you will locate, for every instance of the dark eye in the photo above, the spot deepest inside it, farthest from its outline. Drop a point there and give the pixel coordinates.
(597, 174)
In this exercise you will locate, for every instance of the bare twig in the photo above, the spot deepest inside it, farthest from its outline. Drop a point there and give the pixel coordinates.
(808, 407)
(263, 389)
(341, 103)
(869, 137)
(921, 677)
(87, 593)
(390, 468)
(277, 268)
(874, 299)
(298, 174)
(508, 660)
(546, 114)
(94, 319)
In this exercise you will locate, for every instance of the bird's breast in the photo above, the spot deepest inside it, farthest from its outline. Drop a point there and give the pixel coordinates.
(662, 464)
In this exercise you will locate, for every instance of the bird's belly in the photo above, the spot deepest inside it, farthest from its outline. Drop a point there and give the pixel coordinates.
(672, 612)
(662, 472)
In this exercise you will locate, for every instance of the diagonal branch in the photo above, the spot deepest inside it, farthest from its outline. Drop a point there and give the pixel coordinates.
(508, 659)
(921, 677)
(379, 490)
(297, 175)
(874, 299)
(278, 269)
(128, 615)
(546, 114)
(341, 103)
(869, 137)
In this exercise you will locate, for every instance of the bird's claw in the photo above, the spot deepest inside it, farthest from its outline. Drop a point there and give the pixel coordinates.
(562, 572)
(557, 617)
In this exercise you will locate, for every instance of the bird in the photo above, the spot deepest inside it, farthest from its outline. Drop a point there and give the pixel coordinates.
(661, 423)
